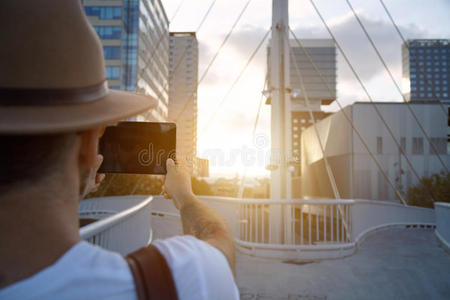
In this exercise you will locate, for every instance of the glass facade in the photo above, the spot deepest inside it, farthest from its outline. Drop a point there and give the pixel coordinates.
(112, 72)
(108, 32)
(104, 12)
(135, 44)
(111, 52)
(426, 65)
(130, 44)
(154, 51)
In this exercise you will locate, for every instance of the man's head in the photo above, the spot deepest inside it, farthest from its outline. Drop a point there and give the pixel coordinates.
(31, 160)
(53, 92)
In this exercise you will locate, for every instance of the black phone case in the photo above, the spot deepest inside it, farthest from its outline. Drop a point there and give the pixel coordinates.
(137, 147)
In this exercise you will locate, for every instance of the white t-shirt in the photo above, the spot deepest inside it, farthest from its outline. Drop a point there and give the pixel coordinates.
(200, 271)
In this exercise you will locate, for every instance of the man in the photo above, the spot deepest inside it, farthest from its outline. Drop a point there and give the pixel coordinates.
(54, 104)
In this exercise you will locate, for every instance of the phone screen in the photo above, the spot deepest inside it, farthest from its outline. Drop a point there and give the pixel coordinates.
(137, 147)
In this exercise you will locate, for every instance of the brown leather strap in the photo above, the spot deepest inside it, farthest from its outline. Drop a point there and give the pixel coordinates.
(151, 274)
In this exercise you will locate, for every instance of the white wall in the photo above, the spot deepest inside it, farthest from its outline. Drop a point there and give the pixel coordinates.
(355, 171)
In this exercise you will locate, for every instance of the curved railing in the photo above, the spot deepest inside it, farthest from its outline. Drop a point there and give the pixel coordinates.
(288, 229)
(117, 218)
(443, 223)
(307, 229)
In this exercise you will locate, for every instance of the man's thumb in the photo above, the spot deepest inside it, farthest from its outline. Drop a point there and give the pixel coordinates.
(170, 164)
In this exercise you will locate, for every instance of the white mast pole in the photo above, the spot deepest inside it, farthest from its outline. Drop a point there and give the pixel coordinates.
(280, 183)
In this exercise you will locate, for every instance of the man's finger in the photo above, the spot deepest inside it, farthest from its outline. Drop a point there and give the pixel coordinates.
(99, 178)
(170, 164)
(98, 160)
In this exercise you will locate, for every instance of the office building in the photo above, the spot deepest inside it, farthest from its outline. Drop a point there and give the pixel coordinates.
(426, 70)
(183, 70)
(319, 87)
(356, 173)
(135, 39)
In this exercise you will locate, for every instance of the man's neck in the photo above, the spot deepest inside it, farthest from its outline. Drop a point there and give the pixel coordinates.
(37, 226)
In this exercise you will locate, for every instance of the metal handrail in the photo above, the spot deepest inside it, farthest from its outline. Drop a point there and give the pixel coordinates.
(270, 201)
(103, 224)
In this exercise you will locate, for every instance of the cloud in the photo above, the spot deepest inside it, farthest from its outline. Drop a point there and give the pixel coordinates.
(238, 48)
(358, 48)
(348, 33)
(245, 40)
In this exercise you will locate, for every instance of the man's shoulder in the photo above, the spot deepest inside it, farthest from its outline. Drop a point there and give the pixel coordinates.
(199, 269)
(84, 271)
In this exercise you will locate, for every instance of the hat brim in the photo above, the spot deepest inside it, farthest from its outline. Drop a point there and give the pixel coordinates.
(40, 119)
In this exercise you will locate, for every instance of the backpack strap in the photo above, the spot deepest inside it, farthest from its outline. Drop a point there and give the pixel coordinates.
(151, 274)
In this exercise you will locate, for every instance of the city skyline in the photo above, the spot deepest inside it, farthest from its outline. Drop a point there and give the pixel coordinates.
(231, 129)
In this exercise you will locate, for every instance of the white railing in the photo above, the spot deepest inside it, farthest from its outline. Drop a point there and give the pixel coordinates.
(372, 215)
(304, 222)
(307, 229)
(288, 229)
(443, 223)
(123, 223)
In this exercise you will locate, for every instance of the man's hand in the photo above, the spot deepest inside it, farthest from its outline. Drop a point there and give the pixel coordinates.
(177, 184)
(96, 180)
(197, 218)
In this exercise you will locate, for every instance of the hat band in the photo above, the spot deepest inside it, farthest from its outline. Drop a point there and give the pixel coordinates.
(17, 96)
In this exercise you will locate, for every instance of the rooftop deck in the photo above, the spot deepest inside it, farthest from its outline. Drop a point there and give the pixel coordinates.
(398, 261)
(390, 264)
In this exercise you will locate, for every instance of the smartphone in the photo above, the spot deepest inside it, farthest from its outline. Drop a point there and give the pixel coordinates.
(137, 147)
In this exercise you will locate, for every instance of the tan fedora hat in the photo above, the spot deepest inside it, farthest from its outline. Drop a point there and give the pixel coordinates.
(52, 73)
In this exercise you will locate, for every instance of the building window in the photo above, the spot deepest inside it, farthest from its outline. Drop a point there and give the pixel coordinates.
(108, 32)
(440, 144)
(104, 12)
(111, 52)
(379, 145)
(403, 143)
(417, 145)
(112, 72)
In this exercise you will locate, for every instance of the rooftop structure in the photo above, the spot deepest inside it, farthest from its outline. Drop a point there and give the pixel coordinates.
(312, 83)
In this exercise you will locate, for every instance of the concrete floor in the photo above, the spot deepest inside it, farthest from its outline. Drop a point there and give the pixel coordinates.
(390, 264)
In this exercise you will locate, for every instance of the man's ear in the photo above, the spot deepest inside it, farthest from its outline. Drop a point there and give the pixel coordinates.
(89, 147)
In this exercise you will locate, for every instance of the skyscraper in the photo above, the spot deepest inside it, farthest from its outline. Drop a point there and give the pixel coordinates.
(318, 86)
(426, 69)
(183, 65)
(135, 39)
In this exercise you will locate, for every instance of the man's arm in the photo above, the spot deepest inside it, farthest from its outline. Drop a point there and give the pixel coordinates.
(197, 218)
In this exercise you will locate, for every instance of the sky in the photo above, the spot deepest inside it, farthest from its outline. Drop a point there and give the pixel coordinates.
(226, 120)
